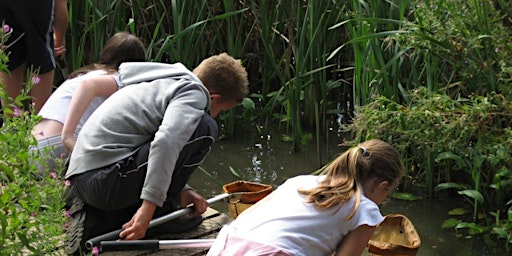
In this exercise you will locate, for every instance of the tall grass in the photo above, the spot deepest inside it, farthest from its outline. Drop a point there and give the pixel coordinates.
(376, 59)
(296, 43)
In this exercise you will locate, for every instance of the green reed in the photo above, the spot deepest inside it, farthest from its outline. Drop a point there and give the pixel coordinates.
(295, 60)
(377, 69)
(228, 38)
(91, 23)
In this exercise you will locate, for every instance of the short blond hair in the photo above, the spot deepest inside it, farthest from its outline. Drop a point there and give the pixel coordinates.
(224, 75)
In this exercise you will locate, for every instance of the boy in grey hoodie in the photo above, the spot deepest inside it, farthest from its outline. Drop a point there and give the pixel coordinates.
(135, 154)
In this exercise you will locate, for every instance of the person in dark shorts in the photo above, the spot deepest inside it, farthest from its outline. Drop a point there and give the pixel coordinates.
(134, 155)
(38, 32)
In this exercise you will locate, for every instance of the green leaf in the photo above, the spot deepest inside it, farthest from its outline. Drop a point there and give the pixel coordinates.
(405, 196)
(248, 103)
(24, 241)
(500, 232)
(286, 138)
(449, 185)
(472, 194)
(470, 225)
(450, 223)
(457, 211)
(451, 156)
(234, 172)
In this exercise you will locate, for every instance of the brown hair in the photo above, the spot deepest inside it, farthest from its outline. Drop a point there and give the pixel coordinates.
(121, 47)
(224, 75)
(344, 175)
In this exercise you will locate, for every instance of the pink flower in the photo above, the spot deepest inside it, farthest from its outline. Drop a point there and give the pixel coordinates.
(67, 214)
(7, 29)
(36, 79)
(17, 112)
(67, 183)
(66, 226)
(95, 251)
(63, 155)
(496, 50)
(53, 175)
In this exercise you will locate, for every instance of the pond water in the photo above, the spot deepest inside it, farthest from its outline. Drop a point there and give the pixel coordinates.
(269, 160)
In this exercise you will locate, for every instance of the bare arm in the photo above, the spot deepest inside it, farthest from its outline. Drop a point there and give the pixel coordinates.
(355, 242)
(102, 86)
(136, 228)
(60, 25)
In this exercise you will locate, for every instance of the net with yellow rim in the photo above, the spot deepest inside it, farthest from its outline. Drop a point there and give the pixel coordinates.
(248, 193)
(396, 235)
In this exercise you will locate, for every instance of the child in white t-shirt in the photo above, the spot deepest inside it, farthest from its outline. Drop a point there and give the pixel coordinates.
(69, 107)
(336, 211)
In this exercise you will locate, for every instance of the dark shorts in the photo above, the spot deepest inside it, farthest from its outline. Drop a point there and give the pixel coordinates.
(118, 186)
(32, 36)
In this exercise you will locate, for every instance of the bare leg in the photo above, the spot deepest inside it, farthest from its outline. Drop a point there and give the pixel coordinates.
(42, 91)
(12, 83)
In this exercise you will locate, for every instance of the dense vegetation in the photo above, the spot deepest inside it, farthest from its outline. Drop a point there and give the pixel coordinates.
(432, 77)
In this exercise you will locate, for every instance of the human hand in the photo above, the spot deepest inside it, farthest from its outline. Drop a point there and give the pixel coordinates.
(188, 197)
(136, 228)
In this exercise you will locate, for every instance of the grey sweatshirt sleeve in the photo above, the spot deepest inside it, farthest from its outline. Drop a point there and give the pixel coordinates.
(187, 187)
(180, 119)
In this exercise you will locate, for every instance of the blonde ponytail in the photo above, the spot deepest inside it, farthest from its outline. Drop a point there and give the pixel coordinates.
(343, 176)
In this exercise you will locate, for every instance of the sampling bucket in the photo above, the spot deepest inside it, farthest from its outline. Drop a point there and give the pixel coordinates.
(250, 193)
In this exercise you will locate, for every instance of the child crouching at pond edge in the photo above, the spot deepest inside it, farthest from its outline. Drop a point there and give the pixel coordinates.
(334, 212)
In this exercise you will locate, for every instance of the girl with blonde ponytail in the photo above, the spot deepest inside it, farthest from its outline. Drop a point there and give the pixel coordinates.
(334, 212)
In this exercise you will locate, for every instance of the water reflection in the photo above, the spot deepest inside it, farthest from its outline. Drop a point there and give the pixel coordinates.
(268, 160)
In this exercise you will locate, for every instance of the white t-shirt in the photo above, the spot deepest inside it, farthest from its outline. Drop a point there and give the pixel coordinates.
(285, 221)
(57, 106)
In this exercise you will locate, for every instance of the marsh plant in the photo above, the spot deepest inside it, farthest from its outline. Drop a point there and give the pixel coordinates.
(459, 145)
(31, 204)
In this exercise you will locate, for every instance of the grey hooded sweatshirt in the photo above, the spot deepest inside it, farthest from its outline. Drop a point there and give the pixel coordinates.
(162, 103)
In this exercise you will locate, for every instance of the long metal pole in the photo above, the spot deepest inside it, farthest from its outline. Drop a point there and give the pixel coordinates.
(114, 235)
(142, 245)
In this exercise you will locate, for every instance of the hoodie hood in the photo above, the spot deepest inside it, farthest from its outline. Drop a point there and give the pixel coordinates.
(138, 72)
